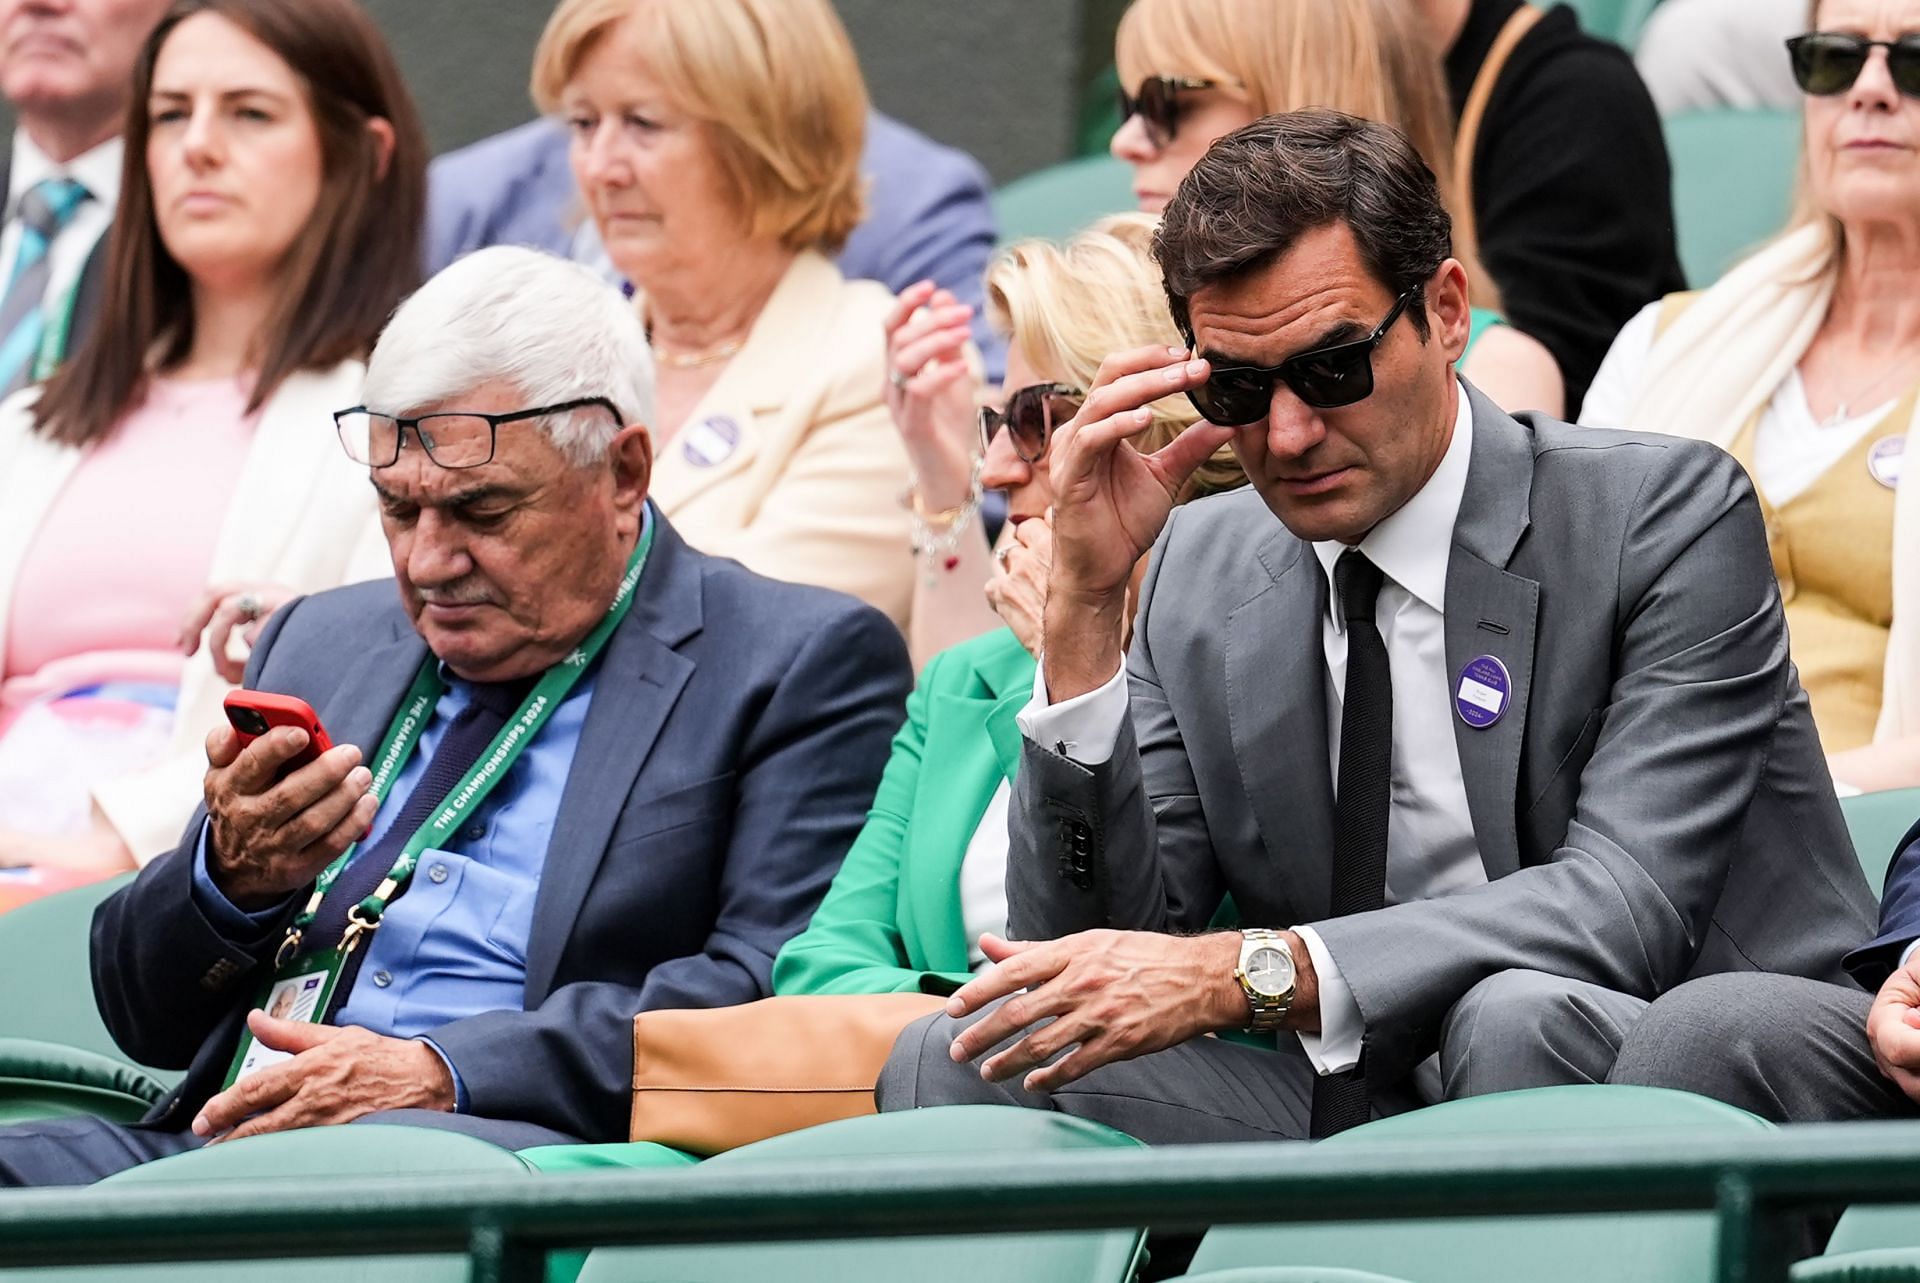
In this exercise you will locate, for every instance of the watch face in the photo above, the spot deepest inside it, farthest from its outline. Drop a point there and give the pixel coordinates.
(1269, 972)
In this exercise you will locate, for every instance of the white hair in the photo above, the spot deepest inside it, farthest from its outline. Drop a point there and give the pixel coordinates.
(551, 329)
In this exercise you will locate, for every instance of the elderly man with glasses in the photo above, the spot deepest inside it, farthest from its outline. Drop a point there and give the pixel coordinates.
(579, 771)
(1486, 724)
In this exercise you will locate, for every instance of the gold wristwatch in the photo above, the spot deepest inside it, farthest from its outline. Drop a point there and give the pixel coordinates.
(1266, 976)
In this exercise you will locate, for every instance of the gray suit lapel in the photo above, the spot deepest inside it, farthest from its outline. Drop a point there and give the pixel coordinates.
(1277, 709)
(640, 679)
(1492, 612)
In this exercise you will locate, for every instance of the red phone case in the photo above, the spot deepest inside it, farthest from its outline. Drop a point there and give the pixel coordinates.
(254, 713)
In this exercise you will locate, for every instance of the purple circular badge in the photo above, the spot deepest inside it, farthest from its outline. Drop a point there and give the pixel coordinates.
(710, 441)
(1884, 460)
(1484, 692)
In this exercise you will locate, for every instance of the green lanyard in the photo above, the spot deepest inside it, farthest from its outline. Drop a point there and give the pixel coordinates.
(53, 343)
(403, 736)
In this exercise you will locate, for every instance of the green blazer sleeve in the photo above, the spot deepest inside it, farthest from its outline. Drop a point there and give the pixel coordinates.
(943, 772)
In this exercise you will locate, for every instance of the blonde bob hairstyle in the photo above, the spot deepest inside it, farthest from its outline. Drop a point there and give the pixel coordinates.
(1368, 58)
(1067, 307)
(775, 83)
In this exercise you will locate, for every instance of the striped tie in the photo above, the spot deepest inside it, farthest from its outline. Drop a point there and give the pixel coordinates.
(45, 210)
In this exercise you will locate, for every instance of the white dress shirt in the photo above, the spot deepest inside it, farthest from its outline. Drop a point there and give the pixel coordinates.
(1431, 849)
(98, 171)
(983, 877)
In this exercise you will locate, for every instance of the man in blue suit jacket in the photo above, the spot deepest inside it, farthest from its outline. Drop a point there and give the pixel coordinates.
(928, 212)
(688, 773)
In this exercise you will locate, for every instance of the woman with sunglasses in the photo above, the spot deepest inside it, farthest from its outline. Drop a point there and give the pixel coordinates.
(1193, 71)
(1804, 362)
(925, 878)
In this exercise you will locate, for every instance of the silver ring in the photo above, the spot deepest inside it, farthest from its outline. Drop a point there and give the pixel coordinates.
(248, 605)
(1002, 554)
(896, 378)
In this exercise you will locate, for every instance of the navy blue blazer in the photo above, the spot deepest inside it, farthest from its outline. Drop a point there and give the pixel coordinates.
(1874, 961)
(737, 732)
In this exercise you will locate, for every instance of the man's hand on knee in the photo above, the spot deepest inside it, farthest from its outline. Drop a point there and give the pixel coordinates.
(1893, 1028)
(1106, 995)
(336, 1075)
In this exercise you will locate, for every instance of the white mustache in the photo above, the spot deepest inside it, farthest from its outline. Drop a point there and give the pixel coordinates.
(457, 595)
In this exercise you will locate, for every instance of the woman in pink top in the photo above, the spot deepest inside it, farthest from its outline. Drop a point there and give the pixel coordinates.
(181, 469)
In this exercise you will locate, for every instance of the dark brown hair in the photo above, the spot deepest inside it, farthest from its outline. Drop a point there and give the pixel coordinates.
(339, 282)
(1262, 187)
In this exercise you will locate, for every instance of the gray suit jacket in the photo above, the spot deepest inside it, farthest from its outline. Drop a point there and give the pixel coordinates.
(1653, 806)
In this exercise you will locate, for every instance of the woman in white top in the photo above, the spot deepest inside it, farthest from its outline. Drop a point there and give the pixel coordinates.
(268, 222)
(1804, 362)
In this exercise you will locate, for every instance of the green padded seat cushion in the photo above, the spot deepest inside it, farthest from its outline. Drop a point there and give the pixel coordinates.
(946, 1129)
(1876, 822)
(370, 1149)
(1881, 1265)
(49, 1080)
(581, 1158)
(1287, 1274)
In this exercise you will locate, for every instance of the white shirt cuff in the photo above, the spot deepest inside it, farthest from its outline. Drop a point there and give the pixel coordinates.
(1336, 1048)
(1084, 728)
(1906, 955)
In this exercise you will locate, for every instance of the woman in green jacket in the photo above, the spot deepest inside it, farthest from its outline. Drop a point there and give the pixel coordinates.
(926, 877)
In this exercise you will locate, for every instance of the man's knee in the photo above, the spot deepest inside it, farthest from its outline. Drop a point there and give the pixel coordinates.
(1690, 1036)
(921, 1070)
(1520, 1029)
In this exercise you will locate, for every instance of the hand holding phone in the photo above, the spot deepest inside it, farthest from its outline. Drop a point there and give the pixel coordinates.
(254, 713)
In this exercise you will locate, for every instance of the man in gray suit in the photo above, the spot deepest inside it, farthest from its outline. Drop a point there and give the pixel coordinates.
(1494, 716)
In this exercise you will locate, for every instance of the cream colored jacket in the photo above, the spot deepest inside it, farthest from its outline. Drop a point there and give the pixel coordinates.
(790, 464)
(303, 517)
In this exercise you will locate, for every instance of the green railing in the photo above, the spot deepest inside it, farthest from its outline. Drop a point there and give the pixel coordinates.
(507, 1225)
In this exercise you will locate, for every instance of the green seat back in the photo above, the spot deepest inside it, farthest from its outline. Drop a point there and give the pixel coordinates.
(1617, 20)
(1665, 1247)
(1877, 1227)
(1287, 1274)
(301, 1159)
(585, 1158)
(49, 1080)
(1875, 822)
(1733, 176)
(1074, 1257)
(1882, 1265)
(1058, 201)
(43, 947)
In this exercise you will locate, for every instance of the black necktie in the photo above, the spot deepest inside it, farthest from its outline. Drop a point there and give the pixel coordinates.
(466, 739)
(1364, 800)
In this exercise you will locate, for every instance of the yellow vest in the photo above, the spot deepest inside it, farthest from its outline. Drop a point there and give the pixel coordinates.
(1832, 547)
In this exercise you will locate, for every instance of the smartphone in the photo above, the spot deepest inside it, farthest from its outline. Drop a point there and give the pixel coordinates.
(254, 713)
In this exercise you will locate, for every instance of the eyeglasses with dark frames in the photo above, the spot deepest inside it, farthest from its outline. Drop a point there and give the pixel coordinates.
(1325, 378)
(451, 438)
(1031, 415)
(1829, 62)
(1158, 105)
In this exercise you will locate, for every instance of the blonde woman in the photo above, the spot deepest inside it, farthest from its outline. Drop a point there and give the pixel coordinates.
(717, 147)
(1804, 362)
(926, 876)
(1192, 71)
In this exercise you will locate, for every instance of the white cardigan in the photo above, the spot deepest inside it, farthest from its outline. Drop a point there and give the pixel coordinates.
(303, 517)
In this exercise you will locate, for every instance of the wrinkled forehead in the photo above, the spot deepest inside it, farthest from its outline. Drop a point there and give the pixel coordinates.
(1316, 294)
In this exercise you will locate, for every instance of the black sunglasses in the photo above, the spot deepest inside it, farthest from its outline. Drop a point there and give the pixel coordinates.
(1828, 62)
(1030, 417)
(1158, 105)
(1326, 378)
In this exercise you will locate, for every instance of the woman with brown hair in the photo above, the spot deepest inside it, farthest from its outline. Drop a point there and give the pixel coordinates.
(178, 468)
(1193, 71)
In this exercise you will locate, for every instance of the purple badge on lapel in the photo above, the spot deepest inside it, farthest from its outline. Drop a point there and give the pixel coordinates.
(710, 441)
(1884, 459)
(1484, 692)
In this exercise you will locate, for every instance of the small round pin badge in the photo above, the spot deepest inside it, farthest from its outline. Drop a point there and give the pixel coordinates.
(710, 441)
(1884, 460)
(1484, 692)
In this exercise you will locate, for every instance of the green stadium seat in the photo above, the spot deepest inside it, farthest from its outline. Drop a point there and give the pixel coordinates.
(1106, 1256)
(587, 1158)
(1876, 822)
(43, 947)
(52, 1080)
(1287, 1274)
(301, 1158)
(1733, 177)
(1617, 20)
(1662, 1247)
(1058, 201)
(1881, 1265)
(1875, 1227)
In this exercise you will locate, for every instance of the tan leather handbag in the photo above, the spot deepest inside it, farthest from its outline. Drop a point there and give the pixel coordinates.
(711, 1079)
